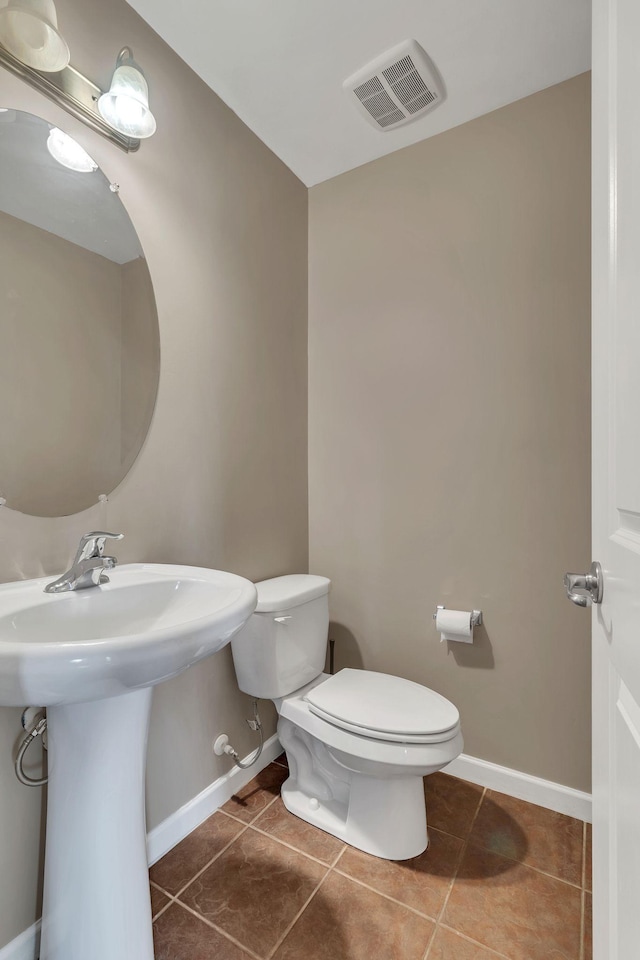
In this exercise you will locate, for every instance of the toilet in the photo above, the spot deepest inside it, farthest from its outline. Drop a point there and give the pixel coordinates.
(358, 743)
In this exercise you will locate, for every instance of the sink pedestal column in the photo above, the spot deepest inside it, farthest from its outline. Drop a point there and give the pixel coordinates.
(96, 883)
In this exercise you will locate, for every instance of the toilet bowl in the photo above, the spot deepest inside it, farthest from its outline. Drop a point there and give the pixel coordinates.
(358, 743)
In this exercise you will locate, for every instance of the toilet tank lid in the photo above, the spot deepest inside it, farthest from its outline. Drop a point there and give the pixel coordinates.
(282, 593)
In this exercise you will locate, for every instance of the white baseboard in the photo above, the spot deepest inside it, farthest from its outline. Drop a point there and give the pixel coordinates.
(24, 947)
(181, 823)
(545, 793)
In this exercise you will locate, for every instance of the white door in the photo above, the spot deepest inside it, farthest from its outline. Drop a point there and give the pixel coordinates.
(616, 477)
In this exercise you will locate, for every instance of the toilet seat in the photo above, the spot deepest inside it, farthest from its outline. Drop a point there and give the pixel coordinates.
(368, 753)
(383, 707)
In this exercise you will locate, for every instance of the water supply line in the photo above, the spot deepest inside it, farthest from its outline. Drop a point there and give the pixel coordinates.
(36, 731)
(222, 745)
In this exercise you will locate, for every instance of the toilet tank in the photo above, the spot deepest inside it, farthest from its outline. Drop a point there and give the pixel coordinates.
(283, 644)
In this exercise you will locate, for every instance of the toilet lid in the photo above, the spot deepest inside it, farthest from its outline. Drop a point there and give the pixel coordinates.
(383, 707)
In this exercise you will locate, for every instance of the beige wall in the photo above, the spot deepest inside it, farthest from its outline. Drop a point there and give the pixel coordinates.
(222, 478)
(79, 364)
(60, 365)
(449, 420)
(448, 397)
(140, 358)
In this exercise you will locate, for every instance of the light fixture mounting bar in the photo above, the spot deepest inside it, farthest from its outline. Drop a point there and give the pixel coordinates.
(73, 92)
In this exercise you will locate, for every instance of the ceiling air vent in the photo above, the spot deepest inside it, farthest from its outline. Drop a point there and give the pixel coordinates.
(396, 87)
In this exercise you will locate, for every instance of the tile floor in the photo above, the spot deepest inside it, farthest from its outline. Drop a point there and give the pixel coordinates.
(501, 879)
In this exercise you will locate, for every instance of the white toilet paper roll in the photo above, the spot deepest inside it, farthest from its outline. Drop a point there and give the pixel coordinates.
(455, 625)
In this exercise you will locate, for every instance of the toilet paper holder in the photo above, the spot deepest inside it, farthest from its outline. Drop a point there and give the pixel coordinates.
(476, 615)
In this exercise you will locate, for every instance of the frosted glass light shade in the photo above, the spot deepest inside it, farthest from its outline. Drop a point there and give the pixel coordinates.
(126, 106)
(29, 30)
(69, 153)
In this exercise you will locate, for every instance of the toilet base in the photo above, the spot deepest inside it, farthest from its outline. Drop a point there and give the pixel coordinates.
(383, 817)
(393, 828)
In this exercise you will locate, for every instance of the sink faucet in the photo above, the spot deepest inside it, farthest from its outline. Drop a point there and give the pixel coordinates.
(87, 569)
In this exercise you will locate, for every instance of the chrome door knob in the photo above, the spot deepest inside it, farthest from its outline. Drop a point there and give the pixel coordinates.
(585, 588)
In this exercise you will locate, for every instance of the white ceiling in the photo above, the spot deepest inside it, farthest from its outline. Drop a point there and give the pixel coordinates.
(279, 64)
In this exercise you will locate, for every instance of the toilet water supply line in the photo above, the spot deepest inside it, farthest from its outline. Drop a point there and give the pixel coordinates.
(36, 731)
(40, 727)
(255, 724)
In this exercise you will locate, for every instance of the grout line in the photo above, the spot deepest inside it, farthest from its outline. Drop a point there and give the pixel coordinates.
(231, 816)
(463, 851)
(264, 809)
(465, 846)
(528, 866)
(219, 930)
(431, 941)
(584, 856)
(245, 826)
(582, 906)
(447, 834)
(476, 943)
(479, 846)
(247, 823)
(162, 910)
(152, 883)
(290, 846)
(339, 856)
(165, 893)
(297, 916)
(208, 864)
(361, 883)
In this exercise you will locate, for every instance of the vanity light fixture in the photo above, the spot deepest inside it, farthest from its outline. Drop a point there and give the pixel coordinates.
(29, 30)
(69, 153)
(126, 106)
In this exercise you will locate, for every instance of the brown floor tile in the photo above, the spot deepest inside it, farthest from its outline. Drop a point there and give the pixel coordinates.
(158, 900)
(282, 759)
(448, 945)
(451, 803)
(193, 853)
(517, 912)
(285, 826)
(522, 831)
(588, 927)
(254, 890)
(587, 858)
(178, 935)
(345, 921)
(421, 883)
(247, 803)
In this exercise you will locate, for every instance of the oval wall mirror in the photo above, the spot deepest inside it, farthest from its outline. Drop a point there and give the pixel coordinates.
(79, 340)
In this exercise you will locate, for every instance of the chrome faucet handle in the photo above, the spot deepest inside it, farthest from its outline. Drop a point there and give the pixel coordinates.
(92, 544)
(87, 570)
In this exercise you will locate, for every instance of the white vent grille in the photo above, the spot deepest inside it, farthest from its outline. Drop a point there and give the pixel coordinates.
(397, 87)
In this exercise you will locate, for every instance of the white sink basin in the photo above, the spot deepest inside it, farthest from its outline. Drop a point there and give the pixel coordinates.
(92, 657)
(148, 624)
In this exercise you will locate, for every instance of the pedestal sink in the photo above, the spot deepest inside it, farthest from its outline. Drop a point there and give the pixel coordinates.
(92, 657)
